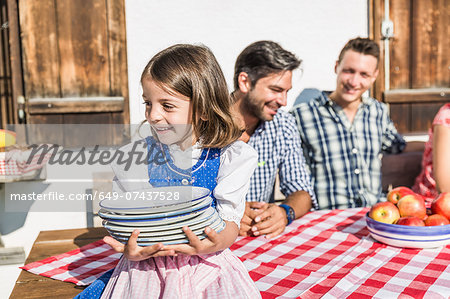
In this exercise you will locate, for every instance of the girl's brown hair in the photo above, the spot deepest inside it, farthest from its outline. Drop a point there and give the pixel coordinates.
(194, 72)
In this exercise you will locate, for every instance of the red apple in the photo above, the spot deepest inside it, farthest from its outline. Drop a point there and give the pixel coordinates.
(411, 221)
(436, 219)
(412, 205)
(441, 205)
(385, 212)
(395, 194)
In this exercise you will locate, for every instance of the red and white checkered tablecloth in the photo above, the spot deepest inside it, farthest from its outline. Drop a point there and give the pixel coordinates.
(325, 253)
(80, 266)
(17, 162)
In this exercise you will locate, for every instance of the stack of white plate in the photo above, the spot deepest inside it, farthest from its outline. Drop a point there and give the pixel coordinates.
(159, 214)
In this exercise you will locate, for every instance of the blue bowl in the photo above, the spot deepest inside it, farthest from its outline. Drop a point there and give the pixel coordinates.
(409, 236)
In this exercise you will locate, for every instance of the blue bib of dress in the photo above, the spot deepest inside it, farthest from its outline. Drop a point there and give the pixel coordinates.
(163, 172)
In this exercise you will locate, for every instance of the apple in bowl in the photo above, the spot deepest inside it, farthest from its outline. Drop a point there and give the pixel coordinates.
(412, 205)
(385, 212)
(397, 193)
(436, 219)
(411, 221)
(441, 205)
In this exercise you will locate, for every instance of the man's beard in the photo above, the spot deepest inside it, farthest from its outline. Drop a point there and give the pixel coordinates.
(255, 107)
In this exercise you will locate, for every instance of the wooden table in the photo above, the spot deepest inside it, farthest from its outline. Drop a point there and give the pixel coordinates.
(47, 244)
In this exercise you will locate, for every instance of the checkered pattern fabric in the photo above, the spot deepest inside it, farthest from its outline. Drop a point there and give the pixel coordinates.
(345, 158)
(279, 150)
(14, 162)
(324, 254)
(80, 266)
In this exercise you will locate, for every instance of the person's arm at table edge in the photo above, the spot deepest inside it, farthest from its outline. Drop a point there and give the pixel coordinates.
(273, 220)
(299, 198)
(441, 158)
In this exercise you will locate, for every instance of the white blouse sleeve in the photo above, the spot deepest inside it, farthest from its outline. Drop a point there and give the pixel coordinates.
(237, 164)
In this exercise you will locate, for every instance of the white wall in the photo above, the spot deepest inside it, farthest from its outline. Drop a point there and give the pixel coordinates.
(314, 30)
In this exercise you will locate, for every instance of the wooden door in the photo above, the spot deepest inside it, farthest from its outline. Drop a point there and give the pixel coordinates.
(74, 62)
(419, 60)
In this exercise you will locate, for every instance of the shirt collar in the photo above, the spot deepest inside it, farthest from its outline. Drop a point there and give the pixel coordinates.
(367, 101)
(324, 100)
(260, 127)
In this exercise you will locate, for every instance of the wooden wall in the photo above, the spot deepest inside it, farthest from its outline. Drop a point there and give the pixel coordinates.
(6, 104)
(419, 60)
(74, 61)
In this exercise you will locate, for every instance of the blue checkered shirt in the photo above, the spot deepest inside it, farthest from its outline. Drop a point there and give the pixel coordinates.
(278, 145)
(344, 158)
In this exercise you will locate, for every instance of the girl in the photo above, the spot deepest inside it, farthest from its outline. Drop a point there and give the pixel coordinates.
(190, 112)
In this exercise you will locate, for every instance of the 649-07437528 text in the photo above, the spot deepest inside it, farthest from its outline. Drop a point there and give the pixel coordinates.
(130, 196)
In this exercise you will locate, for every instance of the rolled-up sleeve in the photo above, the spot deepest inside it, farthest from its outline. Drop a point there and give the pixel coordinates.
(392, 141)
(237, 164)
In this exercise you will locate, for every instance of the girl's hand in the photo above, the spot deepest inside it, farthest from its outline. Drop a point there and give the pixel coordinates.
(196, 246)
(133, 252)
(213, 243)
(252, 210)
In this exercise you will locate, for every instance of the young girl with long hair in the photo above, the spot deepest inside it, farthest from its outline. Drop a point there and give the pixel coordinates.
(190, 111)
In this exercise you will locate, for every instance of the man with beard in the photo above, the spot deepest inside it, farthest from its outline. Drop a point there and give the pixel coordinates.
(262, 78)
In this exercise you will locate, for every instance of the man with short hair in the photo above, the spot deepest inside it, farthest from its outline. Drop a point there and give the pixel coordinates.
(344, 133)
(262, 78)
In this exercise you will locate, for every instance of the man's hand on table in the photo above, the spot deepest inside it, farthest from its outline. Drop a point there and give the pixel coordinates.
(261, 218)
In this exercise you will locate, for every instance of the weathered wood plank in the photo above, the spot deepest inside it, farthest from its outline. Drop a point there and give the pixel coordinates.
(100, 135)
(400, 14)
(5, 94)
(401, 116)
(43, 134)
(15, 58)
(75, 105)
(422, 115)
(118, 53)
(421, 44)
(441, 41)
(429, 95)
(71, 235)
(40, 48)
(430, 44)
(83, 47)
(377, 14)
(119, 129)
